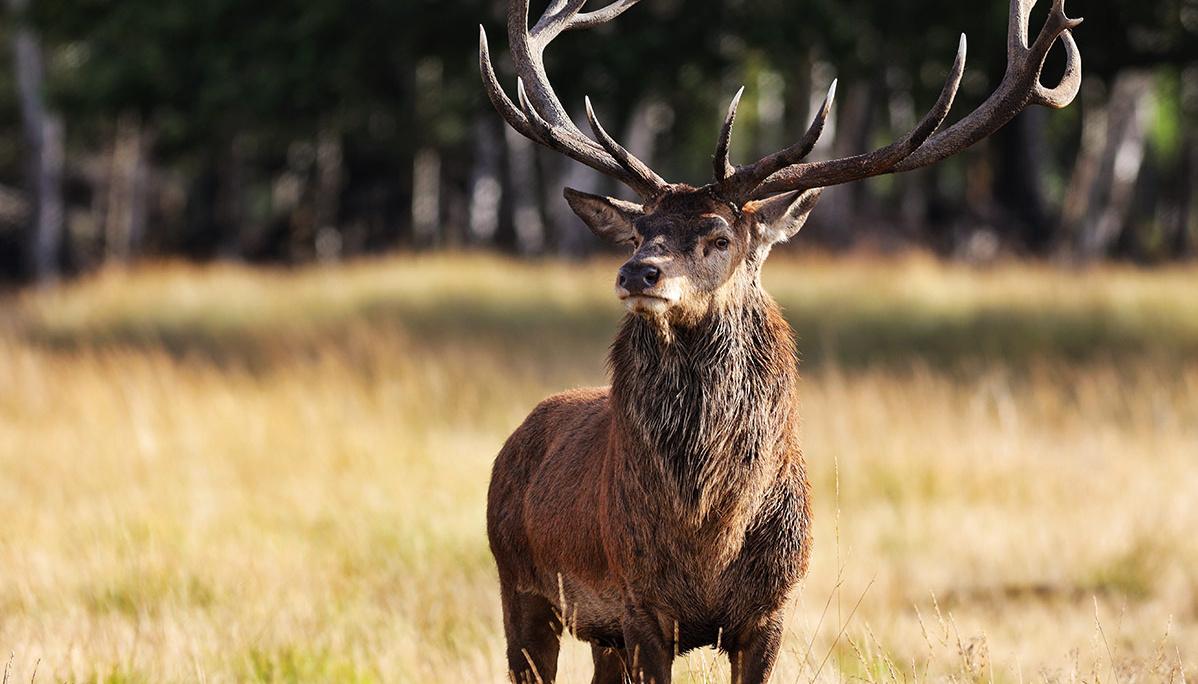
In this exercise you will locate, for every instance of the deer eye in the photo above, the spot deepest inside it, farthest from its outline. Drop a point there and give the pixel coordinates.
(722, 243)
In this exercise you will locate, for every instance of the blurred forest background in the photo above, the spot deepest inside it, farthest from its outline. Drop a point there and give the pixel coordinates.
(241, 471)
(297, 131)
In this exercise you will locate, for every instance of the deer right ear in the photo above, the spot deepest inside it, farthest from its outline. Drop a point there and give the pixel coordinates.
(607, 217)
(780, 217)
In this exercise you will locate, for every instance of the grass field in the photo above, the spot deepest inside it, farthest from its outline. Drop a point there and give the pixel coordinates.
(220, 474)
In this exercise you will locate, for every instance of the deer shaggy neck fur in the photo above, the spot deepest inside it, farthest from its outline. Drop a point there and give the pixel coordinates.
(709, 404)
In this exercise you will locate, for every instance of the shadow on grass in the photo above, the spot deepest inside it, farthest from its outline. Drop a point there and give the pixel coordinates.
(1014, 337)
(837, 333)
(516, 332)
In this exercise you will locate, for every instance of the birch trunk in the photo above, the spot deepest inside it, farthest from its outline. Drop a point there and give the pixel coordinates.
(486, 188)
(1110, 195)
(522, 178)
(128, 191)
(43, 131)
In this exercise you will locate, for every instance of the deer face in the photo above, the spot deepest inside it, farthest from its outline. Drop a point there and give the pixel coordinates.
(691, 250)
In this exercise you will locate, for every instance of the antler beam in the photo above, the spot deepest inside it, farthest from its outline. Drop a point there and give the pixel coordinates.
(540, 115)
(1020, 86)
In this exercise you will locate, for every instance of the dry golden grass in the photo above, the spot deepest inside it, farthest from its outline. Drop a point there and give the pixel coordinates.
(226, 475)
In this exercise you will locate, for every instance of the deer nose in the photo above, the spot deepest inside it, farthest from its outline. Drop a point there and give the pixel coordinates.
(636, 277)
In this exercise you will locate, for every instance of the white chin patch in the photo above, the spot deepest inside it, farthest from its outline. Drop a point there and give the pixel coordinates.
(646, 305)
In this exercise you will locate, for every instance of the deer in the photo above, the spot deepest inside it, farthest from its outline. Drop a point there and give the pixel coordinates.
(671, 510)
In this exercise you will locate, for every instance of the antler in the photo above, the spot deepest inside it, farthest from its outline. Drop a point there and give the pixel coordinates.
(1020, 87)
(540, 116)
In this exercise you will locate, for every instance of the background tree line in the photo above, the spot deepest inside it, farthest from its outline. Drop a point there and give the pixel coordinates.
(293, 131)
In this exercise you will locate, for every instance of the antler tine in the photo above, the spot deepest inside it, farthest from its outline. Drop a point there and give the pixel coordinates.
(1071, 81)
(1018, 17)
(808, 175)
(527, 122)
(631, 172)
(630, 163)
(557, 18)
(556, 6)
(1058, 25)
(524, 118)
(563, 15)
(1020, 84)
(527, 52)
(601, 16)
(750, 176)
(540, 115)
(499, 99)
(542, 131)
(723, 168)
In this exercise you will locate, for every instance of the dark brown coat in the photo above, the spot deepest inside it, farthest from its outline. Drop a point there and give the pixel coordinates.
(673, 502)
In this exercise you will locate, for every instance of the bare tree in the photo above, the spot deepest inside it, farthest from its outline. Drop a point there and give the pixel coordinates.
(43, 132)
(1104, 202)
(486, 189)
(523, 183)
(426, 166)
(1183, 241)
(128, 189)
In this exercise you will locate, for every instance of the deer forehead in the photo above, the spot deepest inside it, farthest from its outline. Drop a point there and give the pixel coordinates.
(683, 233)
(686, 216)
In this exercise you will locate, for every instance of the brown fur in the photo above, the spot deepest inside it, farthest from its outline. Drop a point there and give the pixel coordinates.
(674, 502)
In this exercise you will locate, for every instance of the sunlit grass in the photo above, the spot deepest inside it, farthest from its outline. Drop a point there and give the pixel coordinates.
(220, 474)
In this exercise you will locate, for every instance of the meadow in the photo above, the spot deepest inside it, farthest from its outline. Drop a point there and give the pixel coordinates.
(225, 474)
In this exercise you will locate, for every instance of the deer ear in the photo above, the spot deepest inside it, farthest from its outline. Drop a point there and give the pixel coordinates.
(607, 217)
(779, 218)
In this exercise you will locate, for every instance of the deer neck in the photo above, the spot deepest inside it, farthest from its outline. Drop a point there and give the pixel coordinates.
(710, 404)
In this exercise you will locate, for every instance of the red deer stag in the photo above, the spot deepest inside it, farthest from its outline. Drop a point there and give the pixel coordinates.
(670, 510)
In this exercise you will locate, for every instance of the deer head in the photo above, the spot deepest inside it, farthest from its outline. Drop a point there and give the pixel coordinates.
(697, 248)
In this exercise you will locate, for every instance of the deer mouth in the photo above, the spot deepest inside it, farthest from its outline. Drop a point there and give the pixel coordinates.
(642, 303)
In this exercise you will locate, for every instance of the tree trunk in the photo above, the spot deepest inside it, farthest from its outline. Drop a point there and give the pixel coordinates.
(841, 206)
(43, 132)
(426, 197)
(326, 200)
(1110, 195)
(571, 236)
(426, 163)
(522, 180)
(1019, 184)
(128, 190)
(231, 224)
(13, 207)
(1076, 203)
(1183, 239)
(486, 189)
(771, 108)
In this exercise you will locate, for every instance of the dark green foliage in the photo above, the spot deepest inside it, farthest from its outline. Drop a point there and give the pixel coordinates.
(223, 79)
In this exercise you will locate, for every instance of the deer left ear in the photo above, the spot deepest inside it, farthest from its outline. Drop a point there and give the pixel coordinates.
(779, 218)
(607, 217)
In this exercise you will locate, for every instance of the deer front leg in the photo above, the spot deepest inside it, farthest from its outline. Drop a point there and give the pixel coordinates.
(754, 653)
(609, 665)
(533, 634)
(648, 645)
